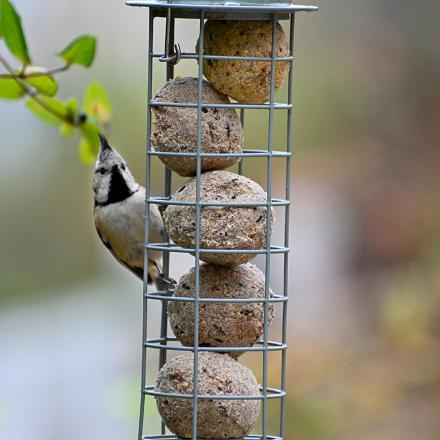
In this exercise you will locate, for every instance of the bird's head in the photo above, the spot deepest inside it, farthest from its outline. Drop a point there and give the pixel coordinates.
(113, 181)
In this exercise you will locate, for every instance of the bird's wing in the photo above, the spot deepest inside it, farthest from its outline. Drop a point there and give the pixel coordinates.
(137, 270)
(156, 230)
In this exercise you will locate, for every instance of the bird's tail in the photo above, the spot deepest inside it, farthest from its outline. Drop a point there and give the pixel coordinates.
(160, 280)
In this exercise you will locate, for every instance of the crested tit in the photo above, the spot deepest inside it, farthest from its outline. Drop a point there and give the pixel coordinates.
(119, 216)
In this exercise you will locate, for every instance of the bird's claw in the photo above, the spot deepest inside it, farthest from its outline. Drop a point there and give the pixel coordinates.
(166, 284)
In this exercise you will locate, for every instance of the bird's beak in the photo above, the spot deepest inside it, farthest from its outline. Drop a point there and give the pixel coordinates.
(104, 143)
(105, 150)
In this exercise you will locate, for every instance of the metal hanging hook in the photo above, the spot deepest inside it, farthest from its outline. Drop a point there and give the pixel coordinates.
(170, 57)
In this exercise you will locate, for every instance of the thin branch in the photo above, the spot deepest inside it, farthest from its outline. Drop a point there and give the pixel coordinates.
(8, 67)
(24, 75)
(59, 69)
(34, 95)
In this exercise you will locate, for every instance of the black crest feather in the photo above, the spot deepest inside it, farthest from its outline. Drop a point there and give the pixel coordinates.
(104, 143)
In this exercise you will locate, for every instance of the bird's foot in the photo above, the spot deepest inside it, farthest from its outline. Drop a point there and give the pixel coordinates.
(165, 283)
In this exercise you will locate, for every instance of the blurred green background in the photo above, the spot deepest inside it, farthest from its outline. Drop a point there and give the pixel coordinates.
(364, 310)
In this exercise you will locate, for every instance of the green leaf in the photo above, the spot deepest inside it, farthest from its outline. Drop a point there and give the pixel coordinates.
(80, 51)
(10, 89)
(44, 114)
(90, 133)
(97, 102)
(66, 130)
(1, 29)
(44, 83)
(13, 32)
(86, 153)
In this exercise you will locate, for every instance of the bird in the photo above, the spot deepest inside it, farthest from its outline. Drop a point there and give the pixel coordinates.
(119, 210)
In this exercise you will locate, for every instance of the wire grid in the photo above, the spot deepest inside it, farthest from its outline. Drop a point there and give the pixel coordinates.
(165, 342)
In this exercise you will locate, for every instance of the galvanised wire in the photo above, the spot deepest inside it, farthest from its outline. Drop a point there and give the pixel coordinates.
(164, 342)
(173, 437)
(169, 44)
(198, 222)
(259, 346)
(165, 247)
(246, 153)
(268, 223)
(170, 202)
(271, 299)
(276, 106)
(289, 140)
(194, 56)
(146, 228)
(270, 393)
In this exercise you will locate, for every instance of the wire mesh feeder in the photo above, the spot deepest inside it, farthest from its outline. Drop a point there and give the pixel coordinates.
(248, 11)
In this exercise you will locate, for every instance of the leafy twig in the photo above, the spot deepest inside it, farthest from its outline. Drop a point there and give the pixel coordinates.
(35, 96)
(40, 86)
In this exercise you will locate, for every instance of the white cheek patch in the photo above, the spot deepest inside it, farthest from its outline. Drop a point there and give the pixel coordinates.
(129, 179)
(101, 188)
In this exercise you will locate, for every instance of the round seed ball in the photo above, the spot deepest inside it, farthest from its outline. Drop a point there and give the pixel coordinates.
(216, 419)
(246, 81)
(175, 128)
(222, 227)
(221, 324)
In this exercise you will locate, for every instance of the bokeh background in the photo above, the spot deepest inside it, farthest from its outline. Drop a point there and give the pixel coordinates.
(364, 310)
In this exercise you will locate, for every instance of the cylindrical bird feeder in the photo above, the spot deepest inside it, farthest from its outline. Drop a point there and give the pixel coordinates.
(224, 305)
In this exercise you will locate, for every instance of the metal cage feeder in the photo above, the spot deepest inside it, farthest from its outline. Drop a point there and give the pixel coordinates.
(172, 54)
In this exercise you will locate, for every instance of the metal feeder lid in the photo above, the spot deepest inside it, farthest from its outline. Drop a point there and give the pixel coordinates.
(213, 6)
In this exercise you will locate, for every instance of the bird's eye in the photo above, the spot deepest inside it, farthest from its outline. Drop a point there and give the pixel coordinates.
(123, 166)
(101, 170)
